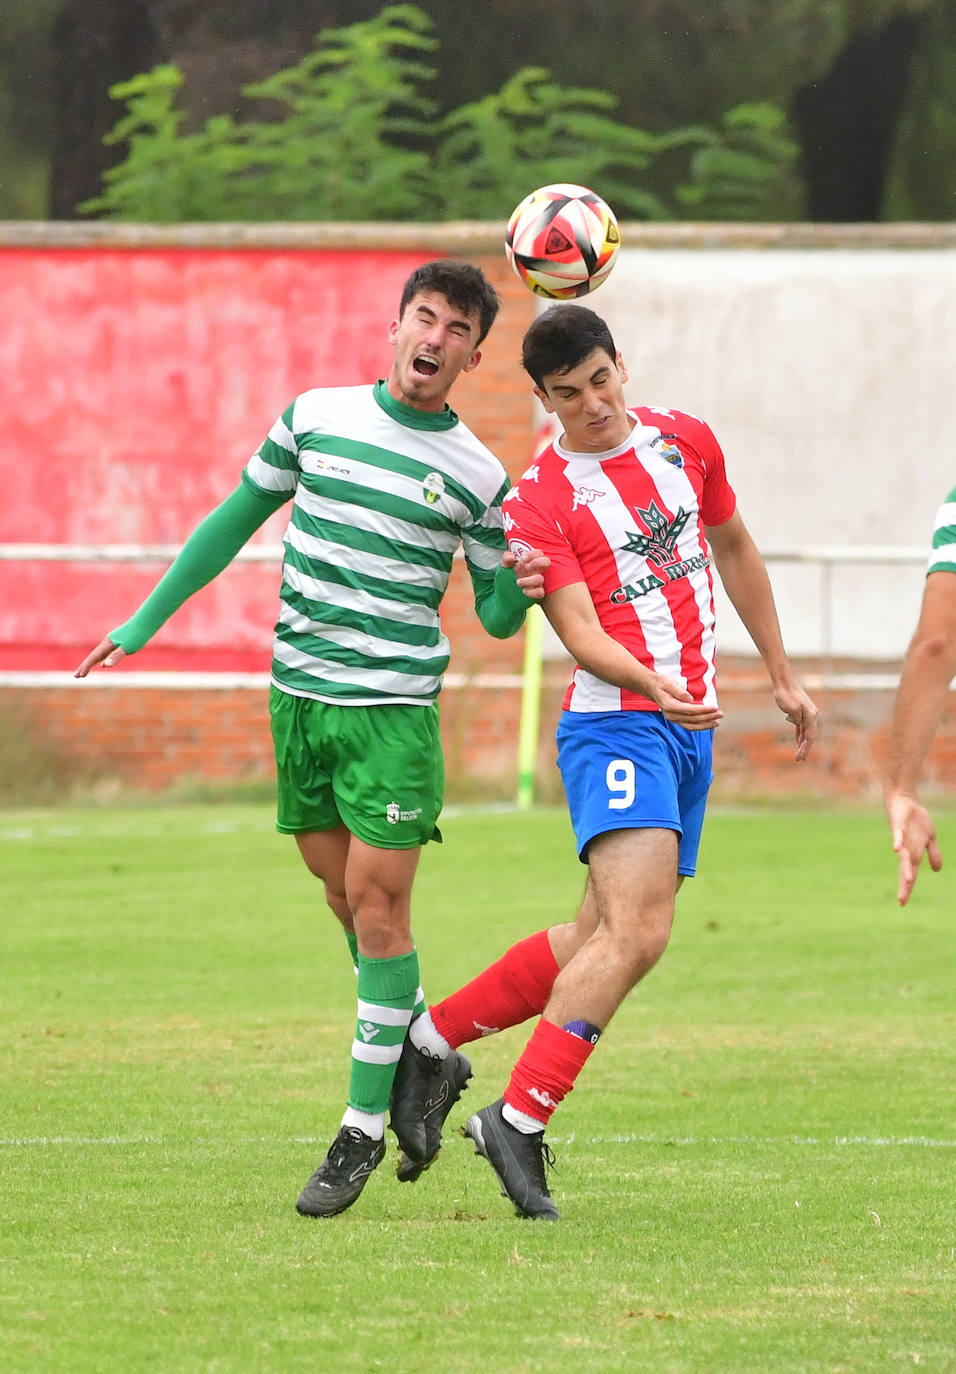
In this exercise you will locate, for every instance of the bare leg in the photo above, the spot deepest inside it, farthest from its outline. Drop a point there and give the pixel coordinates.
(326, 853)
(633, 882)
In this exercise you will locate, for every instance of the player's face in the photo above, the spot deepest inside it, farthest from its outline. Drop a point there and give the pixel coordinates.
(433, 342)
(589, 402)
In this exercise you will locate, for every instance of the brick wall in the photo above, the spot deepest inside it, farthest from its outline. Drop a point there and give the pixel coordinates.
(144, 739)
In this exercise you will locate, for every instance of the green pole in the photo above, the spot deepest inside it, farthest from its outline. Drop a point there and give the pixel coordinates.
(530, 707)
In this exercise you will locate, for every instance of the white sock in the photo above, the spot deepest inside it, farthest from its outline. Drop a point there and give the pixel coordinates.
(424, 1036)
(527, 1125)
(371, 1124)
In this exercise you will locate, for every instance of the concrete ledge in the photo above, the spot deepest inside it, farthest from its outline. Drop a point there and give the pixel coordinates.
(459, 237)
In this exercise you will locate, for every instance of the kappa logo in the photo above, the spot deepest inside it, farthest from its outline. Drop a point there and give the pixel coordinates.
(511, 495)
(544, 1097)
(532, 475)
(585, 496)
(368, 1031)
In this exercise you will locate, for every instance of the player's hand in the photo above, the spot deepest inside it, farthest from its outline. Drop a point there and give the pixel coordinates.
(914, 835)
(678, 706)
(800, 711)
(106, 652)
(529, 571)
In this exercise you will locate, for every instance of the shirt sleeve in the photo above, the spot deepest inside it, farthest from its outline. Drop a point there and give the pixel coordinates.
(483, 541)
(274, 467)
(531, 527)
(943, 556)
(211, 546)
(719, 500)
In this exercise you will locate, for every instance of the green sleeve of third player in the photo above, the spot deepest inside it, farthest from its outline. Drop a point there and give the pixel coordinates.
(500, 602)
(212, 545)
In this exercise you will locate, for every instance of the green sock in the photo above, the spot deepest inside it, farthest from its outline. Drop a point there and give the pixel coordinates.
(387, 991)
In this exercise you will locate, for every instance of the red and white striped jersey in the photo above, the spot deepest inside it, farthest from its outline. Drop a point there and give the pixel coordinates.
(629, 523)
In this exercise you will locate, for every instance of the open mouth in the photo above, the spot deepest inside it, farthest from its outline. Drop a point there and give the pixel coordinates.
(425, 366)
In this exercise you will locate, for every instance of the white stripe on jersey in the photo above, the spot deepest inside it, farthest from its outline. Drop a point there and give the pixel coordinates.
(944, 557)
(361, 561)
(946, 515)
(375, 478)
(377, 522)
(271, 478)
(372, 647)
(357, 599)
(396, 686)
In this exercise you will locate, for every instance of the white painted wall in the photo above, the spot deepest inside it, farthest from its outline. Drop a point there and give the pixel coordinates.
(829, 377)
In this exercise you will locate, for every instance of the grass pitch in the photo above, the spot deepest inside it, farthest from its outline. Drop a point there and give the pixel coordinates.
(757, 1171)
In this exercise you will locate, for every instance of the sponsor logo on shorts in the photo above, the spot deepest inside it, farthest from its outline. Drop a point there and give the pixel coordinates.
(394, 813)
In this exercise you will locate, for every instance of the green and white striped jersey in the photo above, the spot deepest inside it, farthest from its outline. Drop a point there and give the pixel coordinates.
(382, 495)
(943, 556)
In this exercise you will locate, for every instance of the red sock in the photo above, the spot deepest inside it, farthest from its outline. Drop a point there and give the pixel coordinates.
(545, 1073)
(515, 987)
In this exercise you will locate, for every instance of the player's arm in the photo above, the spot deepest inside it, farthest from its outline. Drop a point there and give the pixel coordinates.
(502, 597)
(210, 548)
(744, 575)
(575, 621)
(928, 669)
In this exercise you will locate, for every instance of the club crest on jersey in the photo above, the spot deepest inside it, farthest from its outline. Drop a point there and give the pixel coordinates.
(519, 548)
(583, 496)
(434, 487)
(665, 448)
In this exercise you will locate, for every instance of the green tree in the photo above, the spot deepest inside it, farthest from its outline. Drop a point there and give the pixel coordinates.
(868, 86)
(356, 120)
(337, 154)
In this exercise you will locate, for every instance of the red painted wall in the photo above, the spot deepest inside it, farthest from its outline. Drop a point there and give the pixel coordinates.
(133, 387)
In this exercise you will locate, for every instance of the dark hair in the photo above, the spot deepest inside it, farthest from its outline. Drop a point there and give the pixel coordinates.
(563, 337)
(464, 286)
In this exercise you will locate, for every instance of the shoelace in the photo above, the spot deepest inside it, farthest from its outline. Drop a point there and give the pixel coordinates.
(342, 1145)
(431, 1063)
(546, 1160)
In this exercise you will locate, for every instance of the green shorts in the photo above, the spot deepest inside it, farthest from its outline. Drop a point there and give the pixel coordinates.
(378, 770)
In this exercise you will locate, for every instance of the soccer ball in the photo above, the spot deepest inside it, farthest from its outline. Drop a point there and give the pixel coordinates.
(562, 241)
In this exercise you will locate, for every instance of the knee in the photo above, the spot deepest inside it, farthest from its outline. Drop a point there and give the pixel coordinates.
(337, 903)
(382, 921)
(644, 948)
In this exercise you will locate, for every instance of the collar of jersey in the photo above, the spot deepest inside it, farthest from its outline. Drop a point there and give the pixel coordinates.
(409, 416)
(639, 435)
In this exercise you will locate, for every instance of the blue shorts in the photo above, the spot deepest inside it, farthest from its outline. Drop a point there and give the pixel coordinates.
(634, 770)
